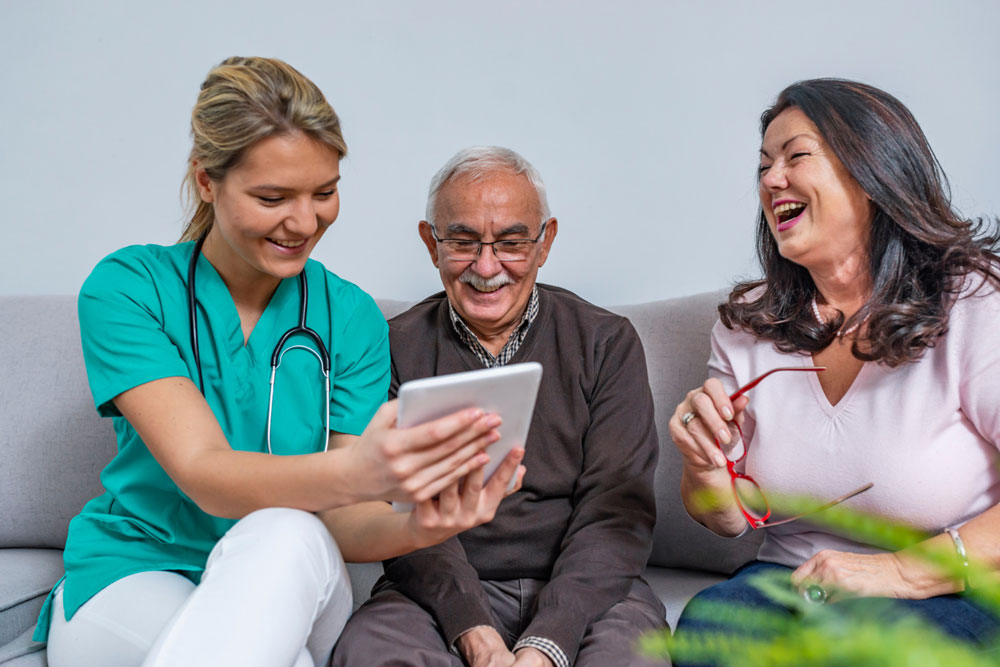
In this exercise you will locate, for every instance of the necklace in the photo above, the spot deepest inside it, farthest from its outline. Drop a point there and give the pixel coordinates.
(819, 318)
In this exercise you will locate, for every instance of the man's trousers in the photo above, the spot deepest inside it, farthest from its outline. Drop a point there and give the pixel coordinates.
(391, 629)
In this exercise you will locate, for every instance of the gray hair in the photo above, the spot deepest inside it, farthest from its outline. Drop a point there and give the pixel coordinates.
(475, 163)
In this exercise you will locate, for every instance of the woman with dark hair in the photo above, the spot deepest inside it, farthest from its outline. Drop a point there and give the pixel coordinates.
(870, 273)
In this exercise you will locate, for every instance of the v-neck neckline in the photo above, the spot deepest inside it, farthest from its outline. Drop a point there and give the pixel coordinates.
(221, 300)
(834, 409)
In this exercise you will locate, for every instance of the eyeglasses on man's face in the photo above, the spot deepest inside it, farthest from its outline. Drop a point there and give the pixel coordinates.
(505, 250)
(749, 496)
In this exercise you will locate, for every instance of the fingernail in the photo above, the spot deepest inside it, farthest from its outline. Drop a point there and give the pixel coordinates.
(476, 413)
(724, 435)
(727, 412)
(482, 459)
(720, 460)
(495, 421)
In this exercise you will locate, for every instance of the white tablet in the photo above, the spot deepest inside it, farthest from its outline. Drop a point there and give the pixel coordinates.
(508, 391)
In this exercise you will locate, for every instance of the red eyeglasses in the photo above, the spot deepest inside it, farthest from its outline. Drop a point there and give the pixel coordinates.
(749, 496)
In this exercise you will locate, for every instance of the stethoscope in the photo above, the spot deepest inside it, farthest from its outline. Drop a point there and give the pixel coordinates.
(323, 355)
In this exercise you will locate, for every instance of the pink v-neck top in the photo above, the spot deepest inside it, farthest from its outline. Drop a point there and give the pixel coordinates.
(925, 433)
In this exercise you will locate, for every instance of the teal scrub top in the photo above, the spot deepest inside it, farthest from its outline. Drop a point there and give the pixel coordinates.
(135, 328)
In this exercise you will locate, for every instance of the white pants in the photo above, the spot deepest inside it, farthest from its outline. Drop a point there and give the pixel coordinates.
(275, 592)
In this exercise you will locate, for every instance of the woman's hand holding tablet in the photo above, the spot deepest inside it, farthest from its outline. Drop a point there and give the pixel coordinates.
(507, 391)
(418, 463)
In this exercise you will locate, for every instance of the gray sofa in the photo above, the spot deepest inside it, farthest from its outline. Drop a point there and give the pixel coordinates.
(53, 447)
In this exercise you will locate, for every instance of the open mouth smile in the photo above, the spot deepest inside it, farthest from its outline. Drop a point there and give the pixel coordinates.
(289, 247)
(787, 213)
(486, 289)
(287, 244)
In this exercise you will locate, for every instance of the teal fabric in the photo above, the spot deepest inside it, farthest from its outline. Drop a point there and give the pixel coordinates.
(135, 328)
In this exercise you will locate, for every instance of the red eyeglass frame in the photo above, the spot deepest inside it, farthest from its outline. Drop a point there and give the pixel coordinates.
(762, 522)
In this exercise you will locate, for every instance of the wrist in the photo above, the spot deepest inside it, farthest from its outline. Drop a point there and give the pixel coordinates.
(536, 656)
(708, 498)
(340, 467)
(418, 536)
(963, 556)
(921, 578)
(540, 651)
(711, 479)
(478, 640)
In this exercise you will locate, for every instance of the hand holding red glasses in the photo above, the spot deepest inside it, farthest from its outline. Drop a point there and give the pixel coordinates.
(704, 412)
(721, 421)
(702, 417)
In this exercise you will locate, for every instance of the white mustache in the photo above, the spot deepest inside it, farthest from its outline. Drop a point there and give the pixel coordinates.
(481, 284)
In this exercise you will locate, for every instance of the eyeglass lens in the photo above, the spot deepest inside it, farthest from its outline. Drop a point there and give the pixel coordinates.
(505, 251)
(736, 449)
(748, 493)
(751, 497)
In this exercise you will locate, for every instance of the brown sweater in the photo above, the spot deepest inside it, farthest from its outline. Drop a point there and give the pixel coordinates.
(584, 517)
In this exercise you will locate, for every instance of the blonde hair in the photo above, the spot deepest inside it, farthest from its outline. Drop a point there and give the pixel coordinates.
(242, 101)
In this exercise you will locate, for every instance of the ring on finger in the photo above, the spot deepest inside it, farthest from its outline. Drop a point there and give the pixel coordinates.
(815, 594)
(687, 417)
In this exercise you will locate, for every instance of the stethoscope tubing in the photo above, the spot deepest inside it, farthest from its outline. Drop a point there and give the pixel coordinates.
(323, 355)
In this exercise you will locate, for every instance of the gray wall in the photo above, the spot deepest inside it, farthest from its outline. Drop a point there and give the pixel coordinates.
(640, 115)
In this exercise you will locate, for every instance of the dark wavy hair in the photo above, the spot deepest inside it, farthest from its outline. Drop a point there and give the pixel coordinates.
(920, 250)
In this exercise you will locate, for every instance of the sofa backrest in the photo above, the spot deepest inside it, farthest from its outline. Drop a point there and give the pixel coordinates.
(54, 445)
(675, 337)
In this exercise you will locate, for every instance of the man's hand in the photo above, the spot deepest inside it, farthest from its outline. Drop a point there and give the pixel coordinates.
(483, 646)
(532, 657)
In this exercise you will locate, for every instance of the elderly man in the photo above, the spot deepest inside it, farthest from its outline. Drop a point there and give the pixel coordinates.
(554, 580)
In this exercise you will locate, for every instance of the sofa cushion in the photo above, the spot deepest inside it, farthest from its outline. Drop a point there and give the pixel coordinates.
(23, 652)
(675, 336)
(392, 307)
(363, 578)
(675, 587)
(28, 576)
(54, 445)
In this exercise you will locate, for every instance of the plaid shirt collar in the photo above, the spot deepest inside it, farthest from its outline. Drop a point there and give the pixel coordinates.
(513, 342)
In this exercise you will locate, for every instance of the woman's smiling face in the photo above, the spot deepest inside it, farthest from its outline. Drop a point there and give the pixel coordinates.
(818, 214)
(273, 207)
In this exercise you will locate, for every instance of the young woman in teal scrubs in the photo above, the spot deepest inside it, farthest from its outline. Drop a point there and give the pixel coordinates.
(221, 536)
